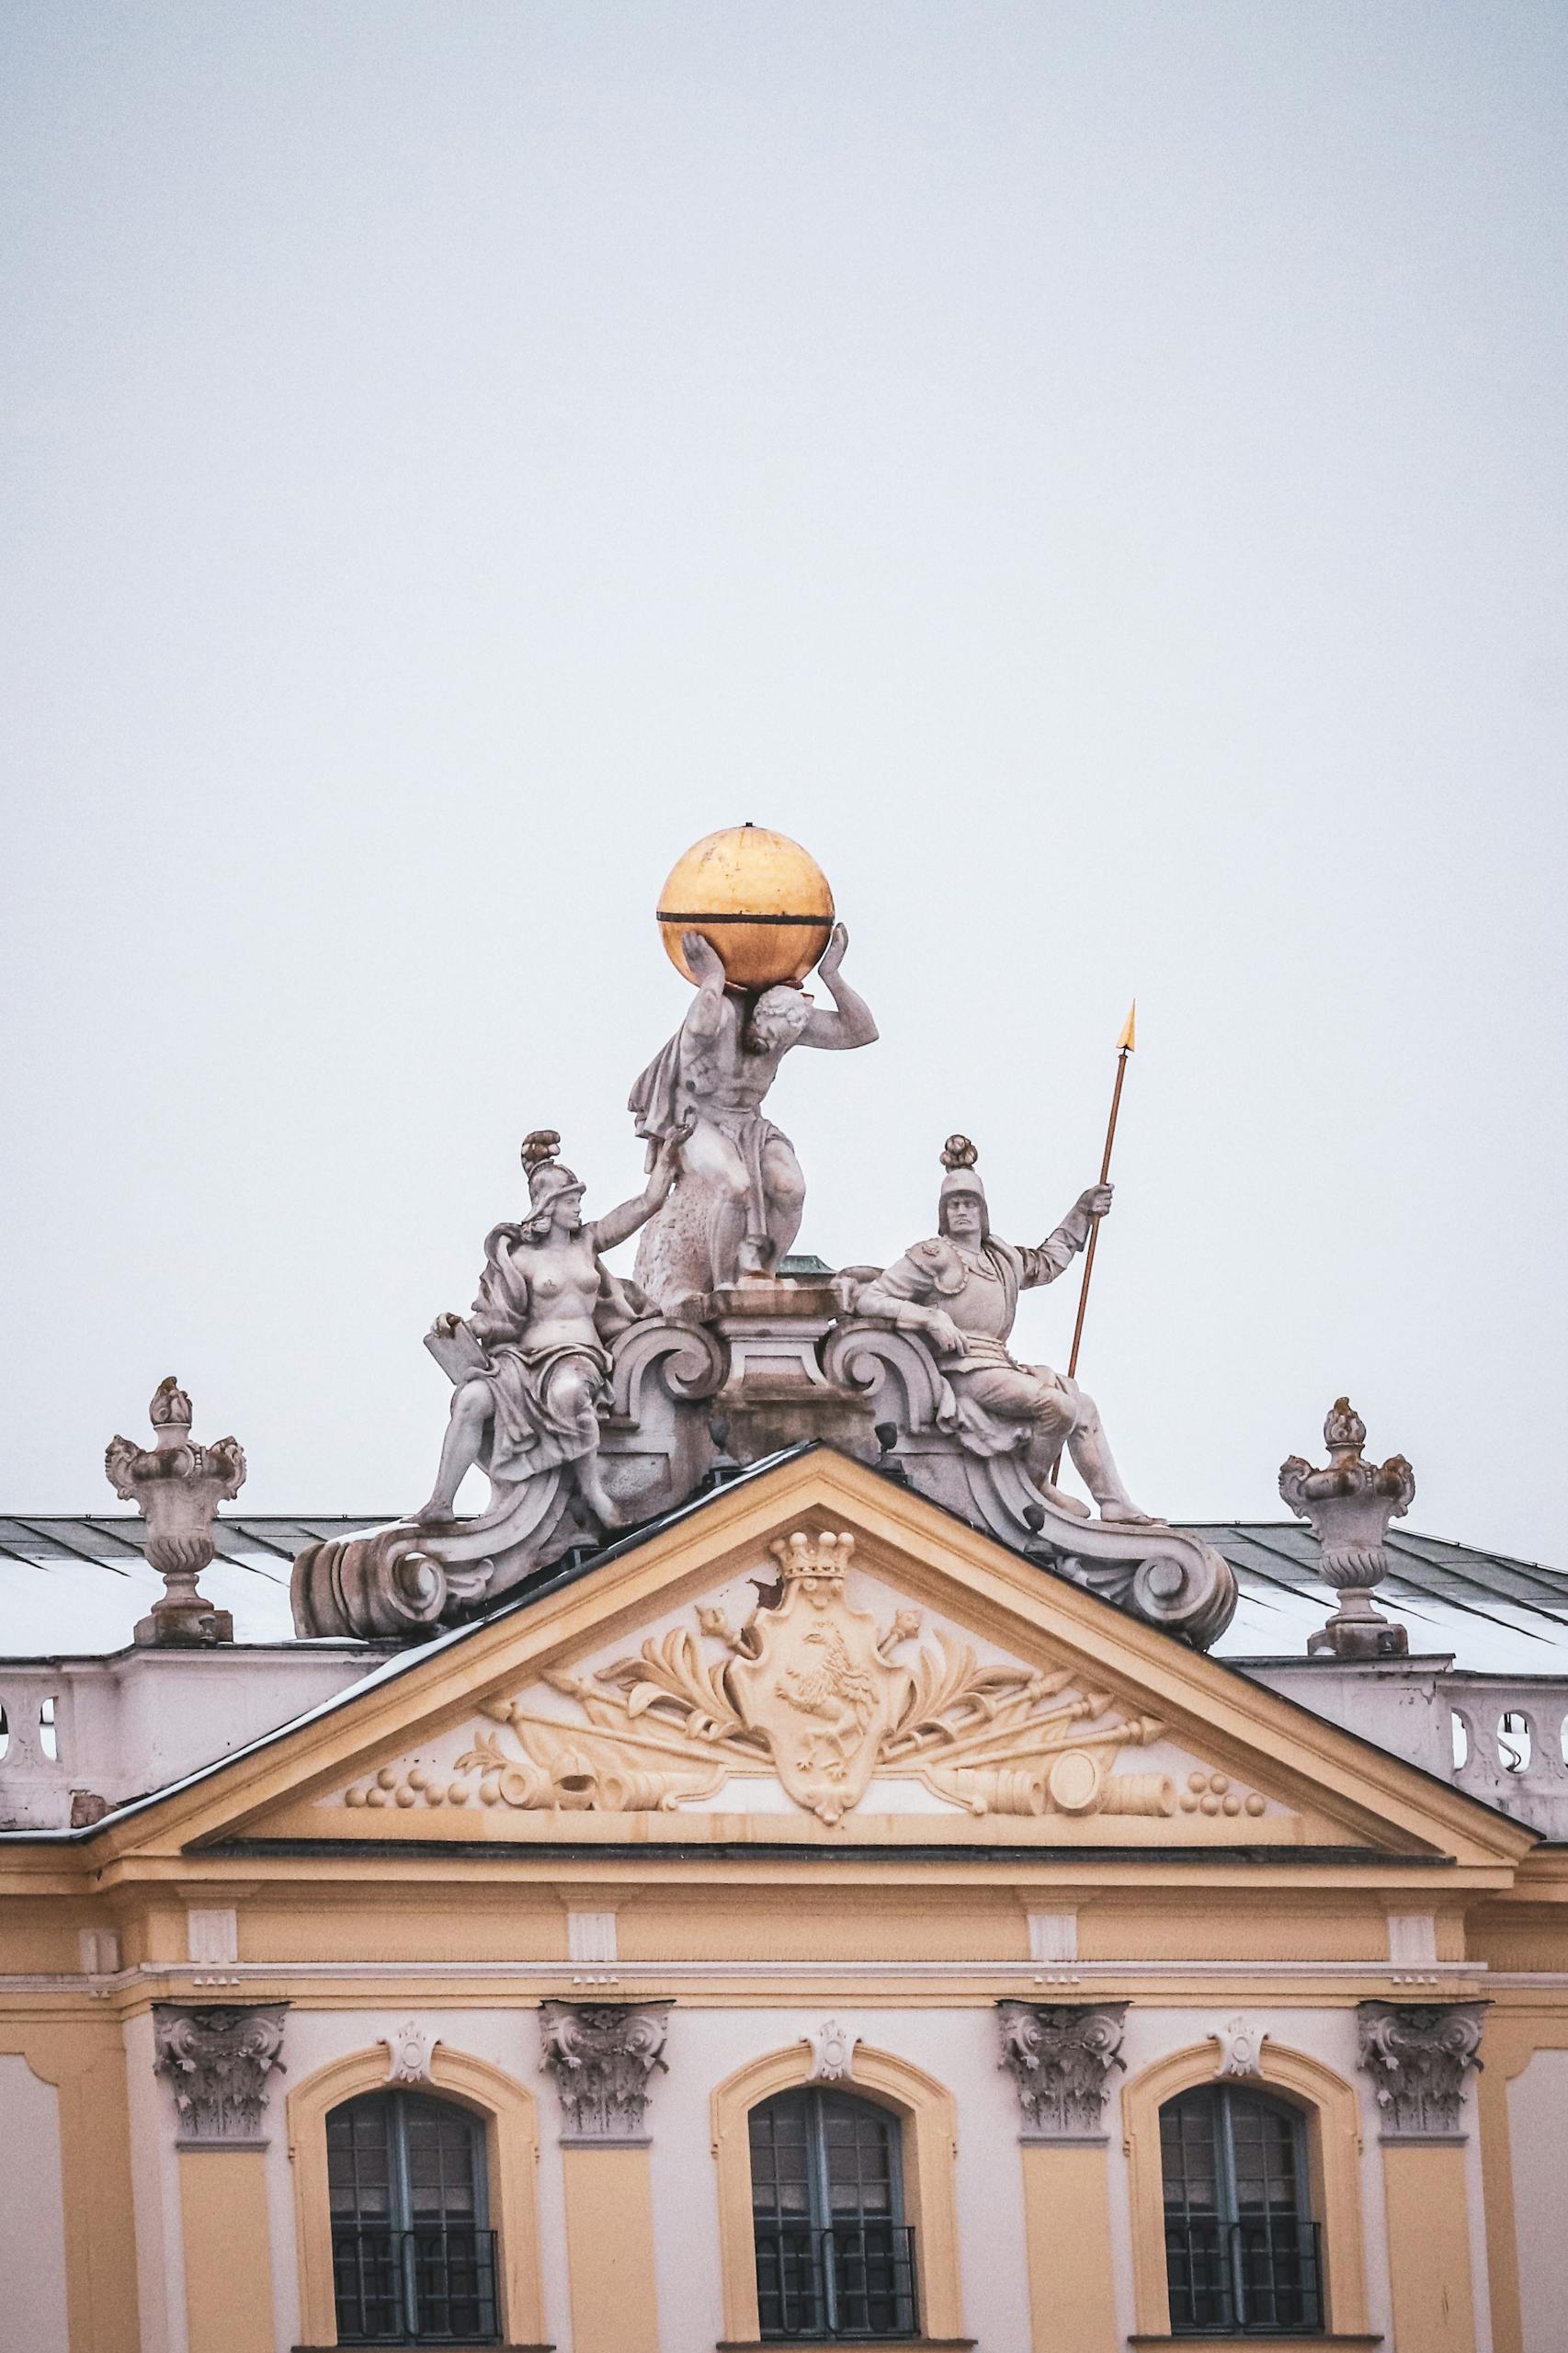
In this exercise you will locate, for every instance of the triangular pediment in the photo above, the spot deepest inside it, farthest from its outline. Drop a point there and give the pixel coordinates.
(816, 1655)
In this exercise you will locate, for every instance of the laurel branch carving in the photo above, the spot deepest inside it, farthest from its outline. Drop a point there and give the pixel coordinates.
(815, 1692)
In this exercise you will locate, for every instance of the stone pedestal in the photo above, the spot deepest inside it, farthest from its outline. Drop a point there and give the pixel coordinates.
(776, 1393)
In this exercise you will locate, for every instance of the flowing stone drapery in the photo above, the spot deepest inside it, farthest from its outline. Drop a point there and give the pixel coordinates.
(218, 2061)
(602, 2055)
(408, 1579)
(1418, 2056)
(1060, 2056)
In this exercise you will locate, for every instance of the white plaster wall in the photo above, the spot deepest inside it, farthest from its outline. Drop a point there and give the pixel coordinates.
(32, 2214)
(1325, 2035)
(956, 2046)
(1538, 2134)
(506, 2039)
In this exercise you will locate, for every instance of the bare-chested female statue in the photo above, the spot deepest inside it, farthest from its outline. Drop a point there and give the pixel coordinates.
(533, 1367)
(738, 1202)
(960, 1290)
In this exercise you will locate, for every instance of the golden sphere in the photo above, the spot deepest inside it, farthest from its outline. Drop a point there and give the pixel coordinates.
(760, 900)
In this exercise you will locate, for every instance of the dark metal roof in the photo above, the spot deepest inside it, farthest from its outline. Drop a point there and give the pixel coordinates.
(79, 1583)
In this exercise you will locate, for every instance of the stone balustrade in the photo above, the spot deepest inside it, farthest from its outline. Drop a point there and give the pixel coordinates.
(1508, 1733)
(81, 1735)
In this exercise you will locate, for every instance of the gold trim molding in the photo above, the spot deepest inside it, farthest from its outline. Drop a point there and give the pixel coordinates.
(511, 2124)
(1333, 2115)
(929, 2117)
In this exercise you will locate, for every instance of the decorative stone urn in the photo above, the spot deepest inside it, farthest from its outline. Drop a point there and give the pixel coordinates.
(177, 1486)
(1348, 1506)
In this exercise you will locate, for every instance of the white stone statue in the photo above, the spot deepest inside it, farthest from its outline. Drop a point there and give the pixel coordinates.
(531, 1361)
(736, 1205)
(960, 1290)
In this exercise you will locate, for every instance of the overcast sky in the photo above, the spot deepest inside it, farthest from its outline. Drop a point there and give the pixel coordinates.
(1094, 474)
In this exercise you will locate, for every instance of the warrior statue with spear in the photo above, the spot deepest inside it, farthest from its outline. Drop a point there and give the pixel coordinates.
(960, 1290)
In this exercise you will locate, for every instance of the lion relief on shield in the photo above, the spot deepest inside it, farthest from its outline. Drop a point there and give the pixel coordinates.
(819, 1691)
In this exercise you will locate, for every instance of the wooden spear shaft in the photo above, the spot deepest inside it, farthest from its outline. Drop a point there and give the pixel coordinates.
(1125, 1045)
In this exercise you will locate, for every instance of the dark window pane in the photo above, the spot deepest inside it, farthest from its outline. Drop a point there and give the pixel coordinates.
(834, 2259)
(1242, 2255)
(412, 2260)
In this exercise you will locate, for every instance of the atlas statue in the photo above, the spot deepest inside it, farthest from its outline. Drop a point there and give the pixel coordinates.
(739, 1192)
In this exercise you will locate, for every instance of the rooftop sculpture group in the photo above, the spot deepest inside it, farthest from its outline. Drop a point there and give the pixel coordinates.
(591, 1403)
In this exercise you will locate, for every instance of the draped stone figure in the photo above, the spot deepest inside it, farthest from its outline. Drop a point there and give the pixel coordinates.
(961, 1289)
(531, 1360)
(738, 1196)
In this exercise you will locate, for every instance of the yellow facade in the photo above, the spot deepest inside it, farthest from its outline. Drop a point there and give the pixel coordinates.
(904, 1924)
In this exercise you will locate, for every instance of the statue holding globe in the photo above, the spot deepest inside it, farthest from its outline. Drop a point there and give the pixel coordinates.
(589, 1402)
(745, 914)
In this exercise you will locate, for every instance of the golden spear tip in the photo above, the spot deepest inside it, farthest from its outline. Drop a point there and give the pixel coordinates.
(1128, 1041)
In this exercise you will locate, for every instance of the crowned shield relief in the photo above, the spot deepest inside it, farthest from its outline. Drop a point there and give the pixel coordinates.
(820, 1689)
(822, 1695)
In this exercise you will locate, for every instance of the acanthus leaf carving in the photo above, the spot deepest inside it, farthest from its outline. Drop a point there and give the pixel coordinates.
(603, 2056)
(1418, 2055)
(218, 2061)
(812, 1690)
(1060, 2056)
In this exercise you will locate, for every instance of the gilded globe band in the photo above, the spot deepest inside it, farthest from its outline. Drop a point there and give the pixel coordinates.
(761, 902)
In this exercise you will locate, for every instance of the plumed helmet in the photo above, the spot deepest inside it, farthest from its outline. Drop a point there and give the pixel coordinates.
(547, 1177)
(959, 1156)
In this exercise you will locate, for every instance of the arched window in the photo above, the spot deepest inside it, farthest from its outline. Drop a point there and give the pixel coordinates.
(834, 2257)
(1242, 2252)
(412, 2258)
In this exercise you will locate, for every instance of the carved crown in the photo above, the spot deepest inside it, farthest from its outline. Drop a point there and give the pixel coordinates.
(806, 1554)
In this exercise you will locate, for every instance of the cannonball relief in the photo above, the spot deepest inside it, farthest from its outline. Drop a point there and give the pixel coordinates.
(758, 897)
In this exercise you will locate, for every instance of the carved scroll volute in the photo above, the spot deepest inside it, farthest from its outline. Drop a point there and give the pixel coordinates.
(1061, 2056)
(603, 2056)
(1418, 2056)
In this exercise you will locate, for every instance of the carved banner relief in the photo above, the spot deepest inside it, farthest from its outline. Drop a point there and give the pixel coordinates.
(817, 1693)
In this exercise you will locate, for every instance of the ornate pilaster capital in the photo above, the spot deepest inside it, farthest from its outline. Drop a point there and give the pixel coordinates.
(1418, 2055)
(1060, 2056)
(602, 2055)
(218, 2061)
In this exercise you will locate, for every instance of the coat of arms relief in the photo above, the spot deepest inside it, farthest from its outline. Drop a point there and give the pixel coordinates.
(815, 1694)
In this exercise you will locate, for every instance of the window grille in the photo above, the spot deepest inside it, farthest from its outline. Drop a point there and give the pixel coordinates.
(412, 2260)
(834, 2257)
(1242, 2252)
